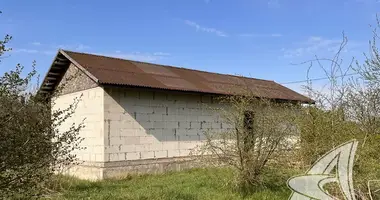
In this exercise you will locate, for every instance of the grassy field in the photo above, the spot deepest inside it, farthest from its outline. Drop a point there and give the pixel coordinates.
(191, 184)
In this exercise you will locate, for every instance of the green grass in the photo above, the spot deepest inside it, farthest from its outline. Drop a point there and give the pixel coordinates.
(192, 184)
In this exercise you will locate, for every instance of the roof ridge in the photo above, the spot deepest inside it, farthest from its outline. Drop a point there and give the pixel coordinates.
(165, 65)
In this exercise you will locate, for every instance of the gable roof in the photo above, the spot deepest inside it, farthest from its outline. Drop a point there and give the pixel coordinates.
(115, 71)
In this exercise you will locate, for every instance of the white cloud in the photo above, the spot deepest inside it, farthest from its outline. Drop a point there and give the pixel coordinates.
(82, 47)
(147, 57)
(74, 47)
(49, 52)
(36, 43)
(206, 29)
(313, 45)
(33, 51)
(260, 35)
(368, 1)
(16, 50)
(161, 54)
(276, 35)
(273, 3)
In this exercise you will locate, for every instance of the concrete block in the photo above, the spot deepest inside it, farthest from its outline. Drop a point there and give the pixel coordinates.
(169, 118)
(205, 118)
(147, 155)
(159, 110)
(170, 145)
(171, 125)
(170, 137)
(112, 149)
(195, 111)
(116, 140)
(215, 125)
(172, 96)
(129, 140)
(161, 96)
(183, 111)
(155, 131)
(161, 154)
(128, 148)
(142, 147)
(194, 137)
(143, 109)
(110, 116)
(184, 124)
(127, 117)
(156, 117)
(173, 153)
(100, 158)
(180, 104)
(122, 156)
(97, 149)
(147, 140)
(205, 125)
(143, 102)
(158, 124)
(145, 95)
(114, 156)
(131, 94)
(147, 124)
(207, 112)
(193, 118)
(133, 156)
(172, 110)
(141, 131)
(184, 152)
(155, 146)
(127, 132)
(192, 131)
(106, 157)
(181, 118)
(181, 132)
(86, 157)
(195, 125)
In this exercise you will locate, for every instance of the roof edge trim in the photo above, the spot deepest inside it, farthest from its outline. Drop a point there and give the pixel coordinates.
(79, 66)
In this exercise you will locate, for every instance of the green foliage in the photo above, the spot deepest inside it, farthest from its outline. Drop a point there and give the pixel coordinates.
(32, 148)
(349, 109)
(261, 131)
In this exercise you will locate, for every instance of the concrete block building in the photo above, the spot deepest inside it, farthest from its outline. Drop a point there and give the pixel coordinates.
(142, 117)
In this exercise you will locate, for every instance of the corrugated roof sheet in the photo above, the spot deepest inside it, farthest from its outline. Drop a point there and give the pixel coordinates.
(118, 71)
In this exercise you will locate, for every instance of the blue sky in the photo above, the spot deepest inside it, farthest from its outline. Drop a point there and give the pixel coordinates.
(257, 38)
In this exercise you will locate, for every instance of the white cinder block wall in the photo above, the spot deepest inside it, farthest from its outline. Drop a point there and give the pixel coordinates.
(125, 126)
(141, 124)
(90, 110)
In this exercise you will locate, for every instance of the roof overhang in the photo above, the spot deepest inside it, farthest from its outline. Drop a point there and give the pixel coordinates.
(55, 73)
(57, 70)
(64, 59)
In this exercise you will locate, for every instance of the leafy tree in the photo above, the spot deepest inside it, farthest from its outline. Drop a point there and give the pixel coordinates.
(31, 146)
(347, 109)
(260, 132)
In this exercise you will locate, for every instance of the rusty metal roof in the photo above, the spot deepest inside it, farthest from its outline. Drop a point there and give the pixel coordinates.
(115, 71)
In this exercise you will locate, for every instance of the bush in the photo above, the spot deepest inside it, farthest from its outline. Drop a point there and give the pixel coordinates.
(260, 132)
(348, 110)
(32, 149)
